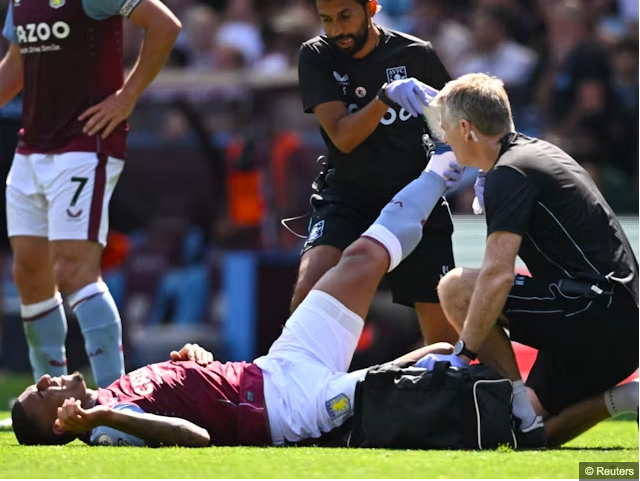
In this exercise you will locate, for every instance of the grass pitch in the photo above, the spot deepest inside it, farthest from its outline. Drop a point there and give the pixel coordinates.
(613, 441)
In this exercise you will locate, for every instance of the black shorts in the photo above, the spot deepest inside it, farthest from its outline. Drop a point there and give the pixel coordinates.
(340, 217)
(587, 344)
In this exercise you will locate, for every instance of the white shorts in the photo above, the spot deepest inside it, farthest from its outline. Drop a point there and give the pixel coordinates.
(307, 390)
(61, 196)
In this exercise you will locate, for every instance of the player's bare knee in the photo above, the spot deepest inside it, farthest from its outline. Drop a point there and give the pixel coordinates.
(449, 285)
(33, 280)
(366, 254)
(26, 268)
(73, 273)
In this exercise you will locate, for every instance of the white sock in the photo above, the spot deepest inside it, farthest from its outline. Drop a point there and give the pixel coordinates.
(622, 399)
(522, 408)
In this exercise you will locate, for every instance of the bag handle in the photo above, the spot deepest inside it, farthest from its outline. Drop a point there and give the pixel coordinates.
(439, 370)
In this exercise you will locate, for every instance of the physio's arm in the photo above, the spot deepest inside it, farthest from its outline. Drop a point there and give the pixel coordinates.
(346, 130)
(414, 356)
(11, 74)
(492, 288)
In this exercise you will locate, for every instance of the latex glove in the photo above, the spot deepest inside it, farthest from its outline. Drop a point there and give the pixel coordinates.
(429, 361)
(410, 94)
(478, 202)
(446, 166)
(453, 175)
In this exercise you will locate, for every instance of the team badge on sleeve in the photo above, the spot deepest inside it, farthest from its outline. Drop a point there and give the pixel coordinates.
(338, 406)
(57, 3)
(396, 73)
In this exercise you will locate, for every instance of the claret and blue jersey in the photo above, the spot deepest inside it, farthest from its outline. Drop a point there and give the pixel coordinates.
(72, 60)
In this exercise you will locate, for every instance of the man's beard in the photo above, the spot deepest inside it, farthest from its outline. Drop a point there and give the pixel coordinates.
(359, 40)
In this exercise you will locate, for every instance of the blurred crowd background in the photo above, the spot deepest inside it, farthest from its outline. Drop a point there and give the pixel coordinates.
(221, 151)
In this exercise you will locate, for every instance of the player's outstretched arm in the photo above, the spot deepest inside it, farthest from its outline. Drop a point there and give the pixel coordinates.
(161, 29)
(154, 430)
(11, 74)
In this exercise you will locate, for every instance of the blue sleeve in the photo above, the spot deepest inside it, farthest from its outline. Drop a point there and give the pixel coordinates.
(104, 436)
(9, 32)
(103, 9)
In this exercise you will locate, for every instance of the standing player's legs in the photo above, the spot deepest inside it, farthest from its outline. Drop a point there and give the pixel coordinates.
(44, 321)
(79, 188)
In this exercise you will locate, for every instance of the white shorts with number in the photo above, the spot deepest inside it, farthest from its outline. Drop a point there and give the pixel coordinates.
(61, 196)
(307, 389)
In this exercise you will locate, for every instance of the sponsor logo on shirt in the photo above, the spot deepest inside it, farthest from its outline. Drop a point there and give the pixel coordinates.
(341, 79)
(396, 73)
(389, 118)
(128, 6)
(41, 32)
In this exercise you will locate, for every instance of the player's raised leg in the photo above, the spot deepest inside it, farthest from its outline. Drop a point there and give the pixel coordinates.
(392, 237)
(345, 292)
(44, 321)
(78, 224)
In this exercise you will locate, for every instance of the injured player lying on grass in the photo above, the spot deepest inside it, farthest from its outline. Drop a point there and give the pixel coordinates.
(298, 391)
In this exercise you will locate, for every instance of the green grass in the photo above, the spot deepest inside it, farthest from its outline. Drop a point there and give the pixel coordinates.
(613, 441)
(610, 441)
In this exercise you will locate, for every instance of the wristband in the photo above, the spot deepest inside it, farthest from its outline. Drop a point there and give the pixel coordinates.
(382, 95)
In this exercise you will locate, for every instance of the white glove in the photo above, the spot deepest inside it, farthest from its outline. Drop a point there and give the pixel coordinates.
(478, 202)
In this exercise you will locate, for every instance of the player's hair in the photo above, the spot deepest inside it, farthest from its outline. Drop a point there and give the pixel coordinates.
(479, 99)
(26, 429)
(29, 433)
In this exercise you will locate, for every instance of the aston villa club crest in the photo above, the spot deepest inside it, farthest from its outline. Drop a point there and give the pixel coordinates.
(57, 3)
(396, 73)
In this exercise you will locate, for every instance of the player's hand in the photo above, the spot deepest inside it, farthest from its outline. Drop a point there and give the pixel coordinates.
(73, 418)
(478, 202)
(410, 94)
(429, 361)
(192, 352)
(108, 114)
